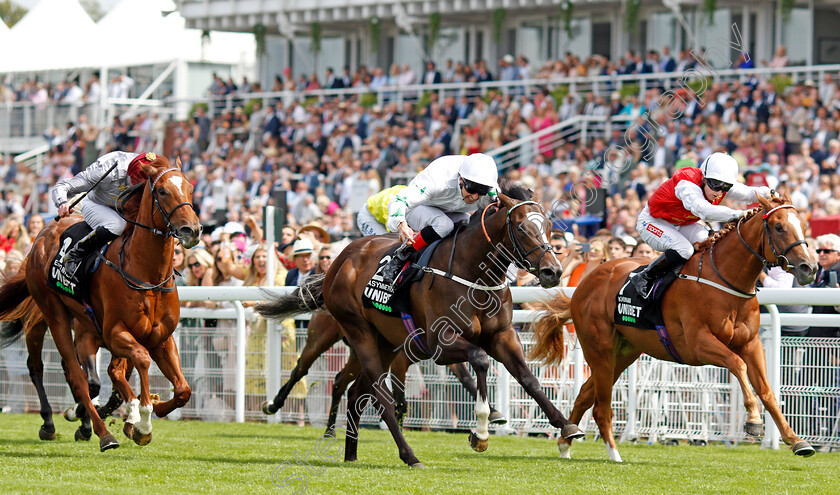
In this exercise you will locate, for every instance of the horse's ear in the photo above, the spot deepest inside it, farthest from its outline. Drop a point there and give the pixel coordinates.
(786, 197)
(764, 202)
(506, 201)
(178, 162)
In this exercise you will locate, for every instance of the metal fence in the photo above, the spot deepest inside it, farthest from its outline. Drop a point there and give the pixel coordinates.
(232, 374)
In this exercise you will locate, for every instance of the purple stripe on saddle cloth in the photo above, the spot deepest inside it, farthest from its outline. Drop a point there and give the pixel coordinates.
(669, 346)
(416, 335)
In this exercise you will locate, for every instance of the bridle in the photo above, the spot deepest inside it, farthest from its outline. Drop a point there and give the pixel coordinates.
(781, 258)
(170, 232)
(520, 255)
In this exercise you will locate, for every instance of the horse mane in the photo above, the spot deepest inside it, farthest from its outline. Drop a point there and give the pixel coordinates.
(509, 188)
(725, 230)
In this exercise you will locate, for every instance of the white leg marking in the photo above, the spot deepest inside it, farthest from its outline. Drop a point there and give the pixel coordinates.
(565, 450)
(613, 453)
(145, 424)
(482, 412)
(133, 412)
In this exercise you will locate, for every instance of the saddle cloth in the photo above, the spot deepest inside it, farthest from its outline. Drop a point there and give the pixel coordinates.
(77, 286)
(393, 301)
(633, 311)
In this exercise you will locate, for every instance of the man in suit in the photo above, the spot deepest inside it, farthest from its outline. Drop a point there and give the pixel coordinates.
(667, 64)
(333, 82)
(305, 265)
(431, 76)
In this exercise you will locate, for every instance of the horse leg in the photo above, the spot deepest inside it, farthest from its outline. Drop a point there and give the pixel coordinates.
(363, 338)
(166, 357)
(119, 369)
(624, 357)
(60, 329)
(399, 367)
(35, 344)
(319, 339)
(753, 356)
(507, 349)
(357, 399)
(461, 372)
(86, 348)
(140, 410)
(351, 371)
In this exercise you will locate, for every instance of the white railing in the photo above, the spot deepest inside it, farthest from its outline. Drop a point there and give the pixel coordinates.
(652, 399)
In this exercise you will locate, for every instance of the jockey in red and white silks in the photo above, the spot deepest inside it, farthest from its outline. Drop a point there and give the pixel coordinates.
(669, 221)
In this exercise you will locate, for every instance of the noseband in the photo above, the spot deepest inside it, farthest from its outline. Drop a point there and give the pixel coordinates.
(520, 256)
(781, 258)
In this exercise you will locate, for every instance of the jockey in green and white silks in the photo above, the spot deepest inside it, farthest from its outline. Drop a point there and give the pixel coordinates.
(443, 194)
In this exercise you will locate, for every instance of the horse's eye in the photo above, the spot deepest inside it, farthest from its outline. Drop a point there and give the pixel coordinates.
(780, 228)
(161, 191)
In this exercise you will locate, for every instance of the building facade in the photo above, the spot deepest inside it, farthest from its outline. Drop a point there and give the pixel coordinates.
(379, 33)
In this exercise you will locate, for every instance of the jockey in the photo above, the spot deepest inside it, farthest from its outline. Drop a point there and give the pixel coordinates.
(444, 193)
(669, 221)
(99, 210)
(372, 218)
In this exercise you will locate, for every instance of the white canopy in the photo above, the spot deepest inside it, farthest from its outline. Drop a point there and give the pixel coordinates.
(58, 34)
(53, 35)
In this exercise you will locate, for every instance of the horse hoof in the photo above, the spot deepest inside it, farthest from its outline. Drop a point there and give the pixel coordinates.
(417, 465)
(108, 442)
(497, 418)
(477, 444)
(330, 433)
(754, 429)
(46, 434)
(82, 434)
(128, 430)
(268, 408)
(571, 432)
(70, 414)
(803, 448)
(141, 439)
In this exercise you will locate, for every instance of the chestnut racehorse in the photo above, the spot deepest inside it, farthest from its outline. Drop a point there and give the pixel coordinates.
(713, 320)
(132, 296)
(464, 320)
(321, 334)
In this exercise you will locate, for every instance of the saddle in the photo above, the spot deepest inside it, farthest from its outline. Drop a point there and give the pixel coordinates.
(393, 300)
(77, 286)
(633, 311)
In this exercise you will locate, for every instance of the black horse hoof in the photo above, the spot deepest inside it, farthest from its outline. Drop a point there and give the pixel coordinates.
(128, 430)
(754, 429)
(417, 465)
(82, 434)
(330, 432)
(804, 449)
(268, 408)
(46, 434)
(497, 418)
(571, 432)
(108, 442)
(476, 443)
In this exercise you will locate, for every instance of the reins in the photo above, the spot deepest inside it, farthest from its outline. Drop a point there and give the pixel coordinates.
(520, 258)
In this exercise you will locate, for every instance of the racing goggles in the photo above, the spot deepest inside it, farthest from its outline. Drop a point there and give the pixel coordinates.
(718, 185)
(475, 188)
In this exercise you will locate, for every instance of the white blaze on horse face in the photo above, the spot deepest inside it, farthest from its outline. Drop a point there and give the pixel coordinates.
(482, 412)
(793, 219)
(177, 181)
(539, 220)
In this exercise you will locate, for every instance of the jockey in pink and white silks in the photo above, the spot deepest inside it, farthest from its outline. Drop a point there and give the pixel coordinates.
(669, 221)
(443, 194)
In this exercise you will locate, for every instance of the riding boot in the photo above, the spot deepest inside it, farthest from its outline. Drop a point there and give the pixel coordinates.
(643, 281)
(400, 257)
(86, 245)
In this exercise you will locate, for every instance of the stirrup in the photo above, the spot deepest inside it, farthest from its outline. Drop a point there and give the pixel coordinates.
(646, 284)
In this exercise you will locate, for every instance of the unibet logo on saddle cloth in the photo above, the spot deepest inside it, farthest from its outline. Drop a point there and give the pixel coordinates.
(76, 286)
(633, 311)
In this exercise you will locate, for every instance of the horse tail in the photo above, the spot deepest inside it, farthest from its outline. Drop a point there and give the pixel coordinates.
(548, 330)
(306, 298)
(18, 310)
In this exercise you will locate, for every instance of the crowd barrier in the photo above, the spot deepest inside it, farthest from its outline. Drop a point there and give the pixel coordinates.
(233, 362)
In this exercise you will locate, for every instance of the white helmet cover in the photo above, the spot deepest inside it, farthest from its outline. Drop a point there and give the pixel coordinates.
(720, 166)
(481, 169)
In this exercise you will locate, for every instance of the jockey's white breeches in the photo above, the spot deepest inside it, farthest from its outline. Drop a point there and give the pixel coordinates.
(368, 224)
(423, 216)
(99, 215)
(662, 235)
